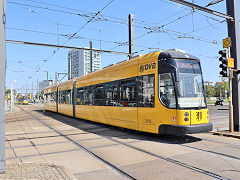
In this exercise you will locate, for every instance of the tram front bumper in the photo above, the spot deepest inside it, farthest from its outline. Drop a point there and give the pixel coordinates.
(184, 129)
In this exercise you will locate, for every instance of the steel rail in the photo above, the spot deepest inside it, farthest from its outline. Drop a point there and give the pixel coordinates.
(202, 171)
(110, 165)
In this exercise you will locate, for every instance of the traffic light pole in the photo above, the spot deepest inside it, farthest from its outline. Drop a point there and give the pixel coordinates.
(233, 32)
(230, 76)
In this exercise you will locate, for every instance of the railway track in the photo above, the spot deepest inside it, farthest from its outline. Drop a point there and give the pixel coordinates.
(179, 163)
(110, 165)
(167, 139)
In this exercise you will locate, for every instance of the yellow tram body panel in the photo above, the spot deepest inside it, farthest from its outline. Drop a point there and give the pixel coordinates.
(195, 117)
(66, 109)
(50, 106)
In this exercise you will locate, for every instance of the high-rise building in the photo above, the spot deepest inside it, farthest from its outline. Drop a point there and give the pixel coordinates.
(79, 62)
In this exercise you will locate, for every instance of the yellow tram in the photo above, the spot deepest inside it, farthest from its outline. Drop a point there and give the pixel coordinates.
(160, 92)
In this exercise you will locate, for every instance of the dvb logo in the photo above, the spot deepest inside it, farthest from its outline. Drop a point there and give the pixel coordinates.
(147, 67)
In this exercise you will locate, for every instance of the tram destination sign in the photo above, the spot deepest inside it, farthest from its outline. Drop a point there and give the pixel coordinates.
(227, 42)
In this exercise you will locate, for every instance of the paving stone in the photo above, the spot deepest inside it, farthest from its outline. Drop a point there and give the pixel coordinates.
(94, 143)
(26, 151)
(50, 148)
(76, 161)
(122, 155)
(45, 140)
(16, 143)
(162, 170)
(9, 153)
(224, 166)
(20, 171)
(99, 175)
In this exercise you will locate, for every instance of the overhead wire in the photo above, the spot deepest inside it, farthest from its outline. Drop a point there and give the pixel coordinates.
(188, 8)
(123, 22)
(73, 9)
(87, 15)
(74, 34)
(77, 37)
(168, 31)
(150, 29)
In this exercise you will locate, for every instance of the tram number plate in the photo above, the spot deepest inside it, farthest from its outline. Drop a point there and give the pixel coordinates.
(199, 116)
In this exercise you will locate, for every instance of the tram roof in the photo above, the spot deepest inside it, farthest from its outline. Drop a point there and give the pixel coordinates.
(175, 55)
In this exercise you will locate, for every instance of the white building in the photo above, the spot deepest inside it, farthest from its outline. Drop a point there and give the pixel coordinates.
(79, 62)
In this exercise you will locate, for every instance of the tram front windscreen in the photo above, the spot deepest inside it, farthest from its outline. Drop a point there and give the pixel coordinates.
(190, 86)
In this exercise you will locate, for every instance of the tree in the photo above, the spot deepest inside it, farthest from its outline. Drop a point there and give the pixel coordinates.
(8, 91)
(221, 87)
(210, 91)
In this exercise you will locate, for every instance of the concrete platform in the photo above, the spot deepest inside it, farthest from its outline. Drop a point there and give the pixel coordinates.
(34, 151)
(228, 134)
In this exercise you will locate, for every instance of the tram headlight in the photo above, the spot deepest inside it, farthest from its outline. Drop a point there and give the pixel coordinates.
(186, 119)
(186, 114)
(174, 119)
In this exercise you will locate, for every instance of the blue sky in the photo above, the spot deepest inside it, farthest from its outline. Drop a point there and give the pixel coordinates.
(193, 32)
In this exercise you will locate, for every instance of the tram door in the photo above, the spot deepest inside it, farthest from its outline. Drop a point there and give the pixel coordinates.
(146, 103)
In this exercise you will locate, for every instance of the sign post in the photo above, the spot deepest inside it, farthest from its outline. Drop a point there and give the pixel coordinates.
(227, 44)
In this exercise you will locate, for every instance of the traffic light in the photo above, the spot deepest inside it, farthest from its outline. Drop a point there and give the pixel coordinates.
(224, 65)
(236, 72)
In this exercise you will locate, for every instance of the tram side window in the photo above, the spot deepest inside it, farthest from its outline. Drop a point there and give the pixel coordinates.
(62, 97)
(68, 96)
(128, 93)
(79, 96)
(166, 90)
(88, 95)
(51, 98)
(111, 93)
(146, 93)
(45, 98)
(48, 98)
(98, 95)
(65, 97)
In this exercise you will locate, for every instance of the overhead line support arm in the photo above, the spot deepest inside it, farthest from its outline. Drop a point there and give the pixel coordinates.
(229, 18)
(67, 47)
